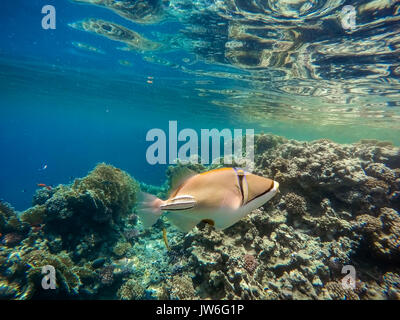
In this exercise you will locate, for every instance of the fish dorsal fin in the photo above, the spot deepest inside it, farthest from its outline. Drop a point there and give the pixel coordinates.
(179, 176)
(182, 202)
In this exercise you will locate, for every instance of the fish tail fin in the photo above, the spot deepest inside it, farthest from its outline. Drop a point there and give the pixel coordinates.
(148, 209)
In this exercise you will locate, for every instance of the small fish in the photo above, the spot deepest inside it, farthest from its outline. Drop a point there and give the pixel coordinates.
(219, 197)
(44, 167)
(42, 185)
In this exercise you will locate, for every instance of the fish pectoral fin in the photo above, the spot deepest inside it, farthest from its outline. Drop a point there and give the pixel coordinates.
(183, 202)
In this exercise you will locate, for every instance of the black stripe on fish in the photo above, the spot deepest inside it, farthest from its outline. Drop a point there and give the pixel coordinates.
(240, 176)
(241, 186)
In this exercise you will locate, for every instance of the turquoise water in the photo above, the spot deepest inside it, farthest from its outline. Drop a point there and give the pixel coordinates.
(90, 90)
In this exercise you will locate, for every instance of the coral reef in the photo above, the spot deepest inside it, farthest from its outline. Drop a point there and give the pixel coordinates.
(382, 233)
(131, 290)
(335, 291)
(180, 287)
(21, 270)
(107, 275)
(12, 239)
(92, 209)
(71, 227)
(121, 248)
(9, 221)
(339, 206)
(250, 263)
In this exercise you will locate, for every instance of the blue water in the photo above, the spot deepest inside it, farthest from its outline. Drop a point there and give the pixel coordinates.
(70, 108)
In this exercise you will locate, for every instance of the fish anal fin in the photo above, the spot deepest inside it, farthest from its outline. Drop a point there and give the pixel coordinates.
(226, 217)
(182, 221)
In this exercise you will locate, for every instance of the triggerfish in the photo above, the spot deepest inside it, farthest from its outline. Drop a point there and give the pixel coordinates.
(219, 197)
